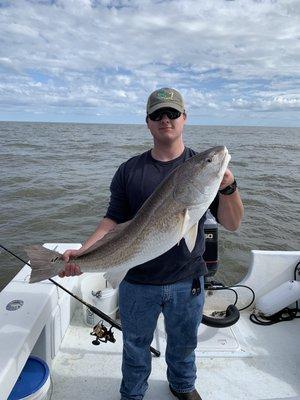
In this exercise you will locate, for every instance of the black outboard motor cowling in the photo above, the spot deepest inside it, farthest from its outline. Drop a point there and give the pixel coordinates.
(211, 254)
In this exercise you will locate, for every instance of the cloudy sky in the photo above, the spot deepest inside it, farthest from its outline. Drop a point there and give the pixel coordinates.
(235, 62)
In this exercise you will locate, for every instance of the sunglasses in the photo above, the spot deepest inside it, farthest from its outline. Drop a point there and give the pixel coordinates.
(171, 113)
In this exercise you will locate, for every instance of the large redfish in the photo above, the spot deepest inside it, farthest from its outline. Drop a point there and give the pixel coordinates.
(171, 213)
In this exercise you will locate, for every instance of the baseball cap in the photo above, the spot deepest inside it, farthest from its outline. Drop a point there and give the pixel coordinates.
(165, 97)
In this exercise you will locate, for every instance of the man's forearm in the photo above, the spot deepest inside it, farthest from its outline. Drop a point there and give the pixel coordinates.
(230, 210)
(105, 225)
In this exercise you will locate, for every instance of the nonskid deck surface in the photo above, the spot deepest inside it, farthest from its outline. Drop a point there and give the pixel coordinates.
(259, 363)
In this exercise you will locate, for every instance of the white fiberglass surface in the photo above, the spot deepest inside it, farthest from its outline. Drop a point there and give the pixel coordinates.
(259, 363)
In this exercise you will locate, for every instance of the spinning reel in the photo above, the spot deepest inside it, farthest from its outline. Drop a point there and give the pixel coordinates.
(102, 334)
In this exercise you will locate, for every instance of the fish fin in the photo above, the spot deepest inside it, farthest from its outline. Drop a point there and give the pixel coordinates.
(191, 237)
(185, 217)
(42, 262)
(115, 277)
(119, 228)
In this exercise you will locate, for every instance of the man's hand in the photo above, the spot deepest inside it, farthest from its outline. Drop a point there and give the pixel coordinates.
(227, 180)
(70, 269)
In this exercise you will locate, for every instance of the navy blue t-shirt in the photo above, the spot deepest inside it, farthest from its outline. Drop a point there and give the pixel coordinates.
(134, 181)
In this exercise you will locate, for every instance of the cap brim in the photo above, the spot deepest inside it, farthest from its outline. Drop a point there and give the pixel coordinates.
(165, 105)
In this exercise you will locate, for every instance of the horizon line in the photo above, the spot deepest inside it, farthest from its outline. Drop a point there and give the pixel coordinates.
(132, 123)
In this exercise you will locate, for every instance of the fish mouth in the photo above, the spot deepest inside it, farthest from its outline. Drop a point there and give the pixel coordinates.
(224, 163)
(227, 156)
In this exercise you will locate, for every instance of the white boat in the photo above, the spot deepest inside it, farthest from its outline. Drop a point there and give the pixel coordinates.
(243, 361)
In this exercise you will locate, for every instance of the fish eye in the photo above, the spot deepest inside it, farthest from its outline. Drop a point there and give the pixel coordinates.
(54, 259)
(209, 159)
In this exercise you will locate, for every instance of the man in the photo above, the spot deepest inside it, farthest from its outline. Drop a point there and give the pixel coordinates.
(165, 283)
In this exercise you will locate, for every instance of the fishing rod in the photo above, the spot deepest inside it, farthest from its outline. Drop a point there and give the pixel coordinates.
(100, 331)
(231, 316)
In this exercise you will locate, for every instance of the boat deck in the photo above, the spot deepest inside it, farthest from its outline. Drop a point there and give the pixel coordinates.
(243, 362)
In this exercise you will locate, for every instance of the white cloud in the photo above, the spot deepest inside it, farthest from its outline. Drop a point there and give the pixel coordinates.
(269, 103)
(109, 54)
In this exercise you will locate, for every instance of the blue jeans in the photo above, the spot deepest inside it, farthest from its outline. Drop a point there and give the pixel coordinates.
(140, 306)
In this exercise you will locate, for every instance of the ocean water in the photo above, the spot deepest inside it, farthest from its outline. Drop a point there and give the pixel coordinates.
(55, 185)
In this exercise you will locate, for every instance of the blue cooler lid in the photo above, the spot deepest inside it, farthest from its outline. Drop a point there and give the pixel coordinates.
(33, 376)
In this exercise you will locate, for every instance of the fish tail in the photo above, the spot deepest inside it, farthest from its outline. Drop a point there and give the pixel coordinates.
(43, 263)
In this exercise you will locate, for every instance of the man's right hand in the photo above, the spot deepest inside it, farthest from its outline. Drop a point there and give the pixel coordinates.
(70, 269)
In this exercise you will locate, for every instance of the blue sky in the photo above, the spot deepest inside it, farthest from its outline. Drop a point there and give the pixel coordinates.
(235, 62)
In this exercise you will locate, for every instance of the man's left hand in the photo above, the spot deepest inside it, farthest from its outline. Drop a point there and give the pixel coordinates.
(227, 180)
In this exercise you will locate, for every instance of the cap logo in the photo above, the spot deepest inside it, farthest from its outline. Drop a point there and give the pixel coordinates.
(163, 95)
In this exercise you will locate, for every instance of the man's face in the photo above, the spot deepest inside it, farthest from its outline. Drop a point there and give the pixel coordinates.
(166, 130)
